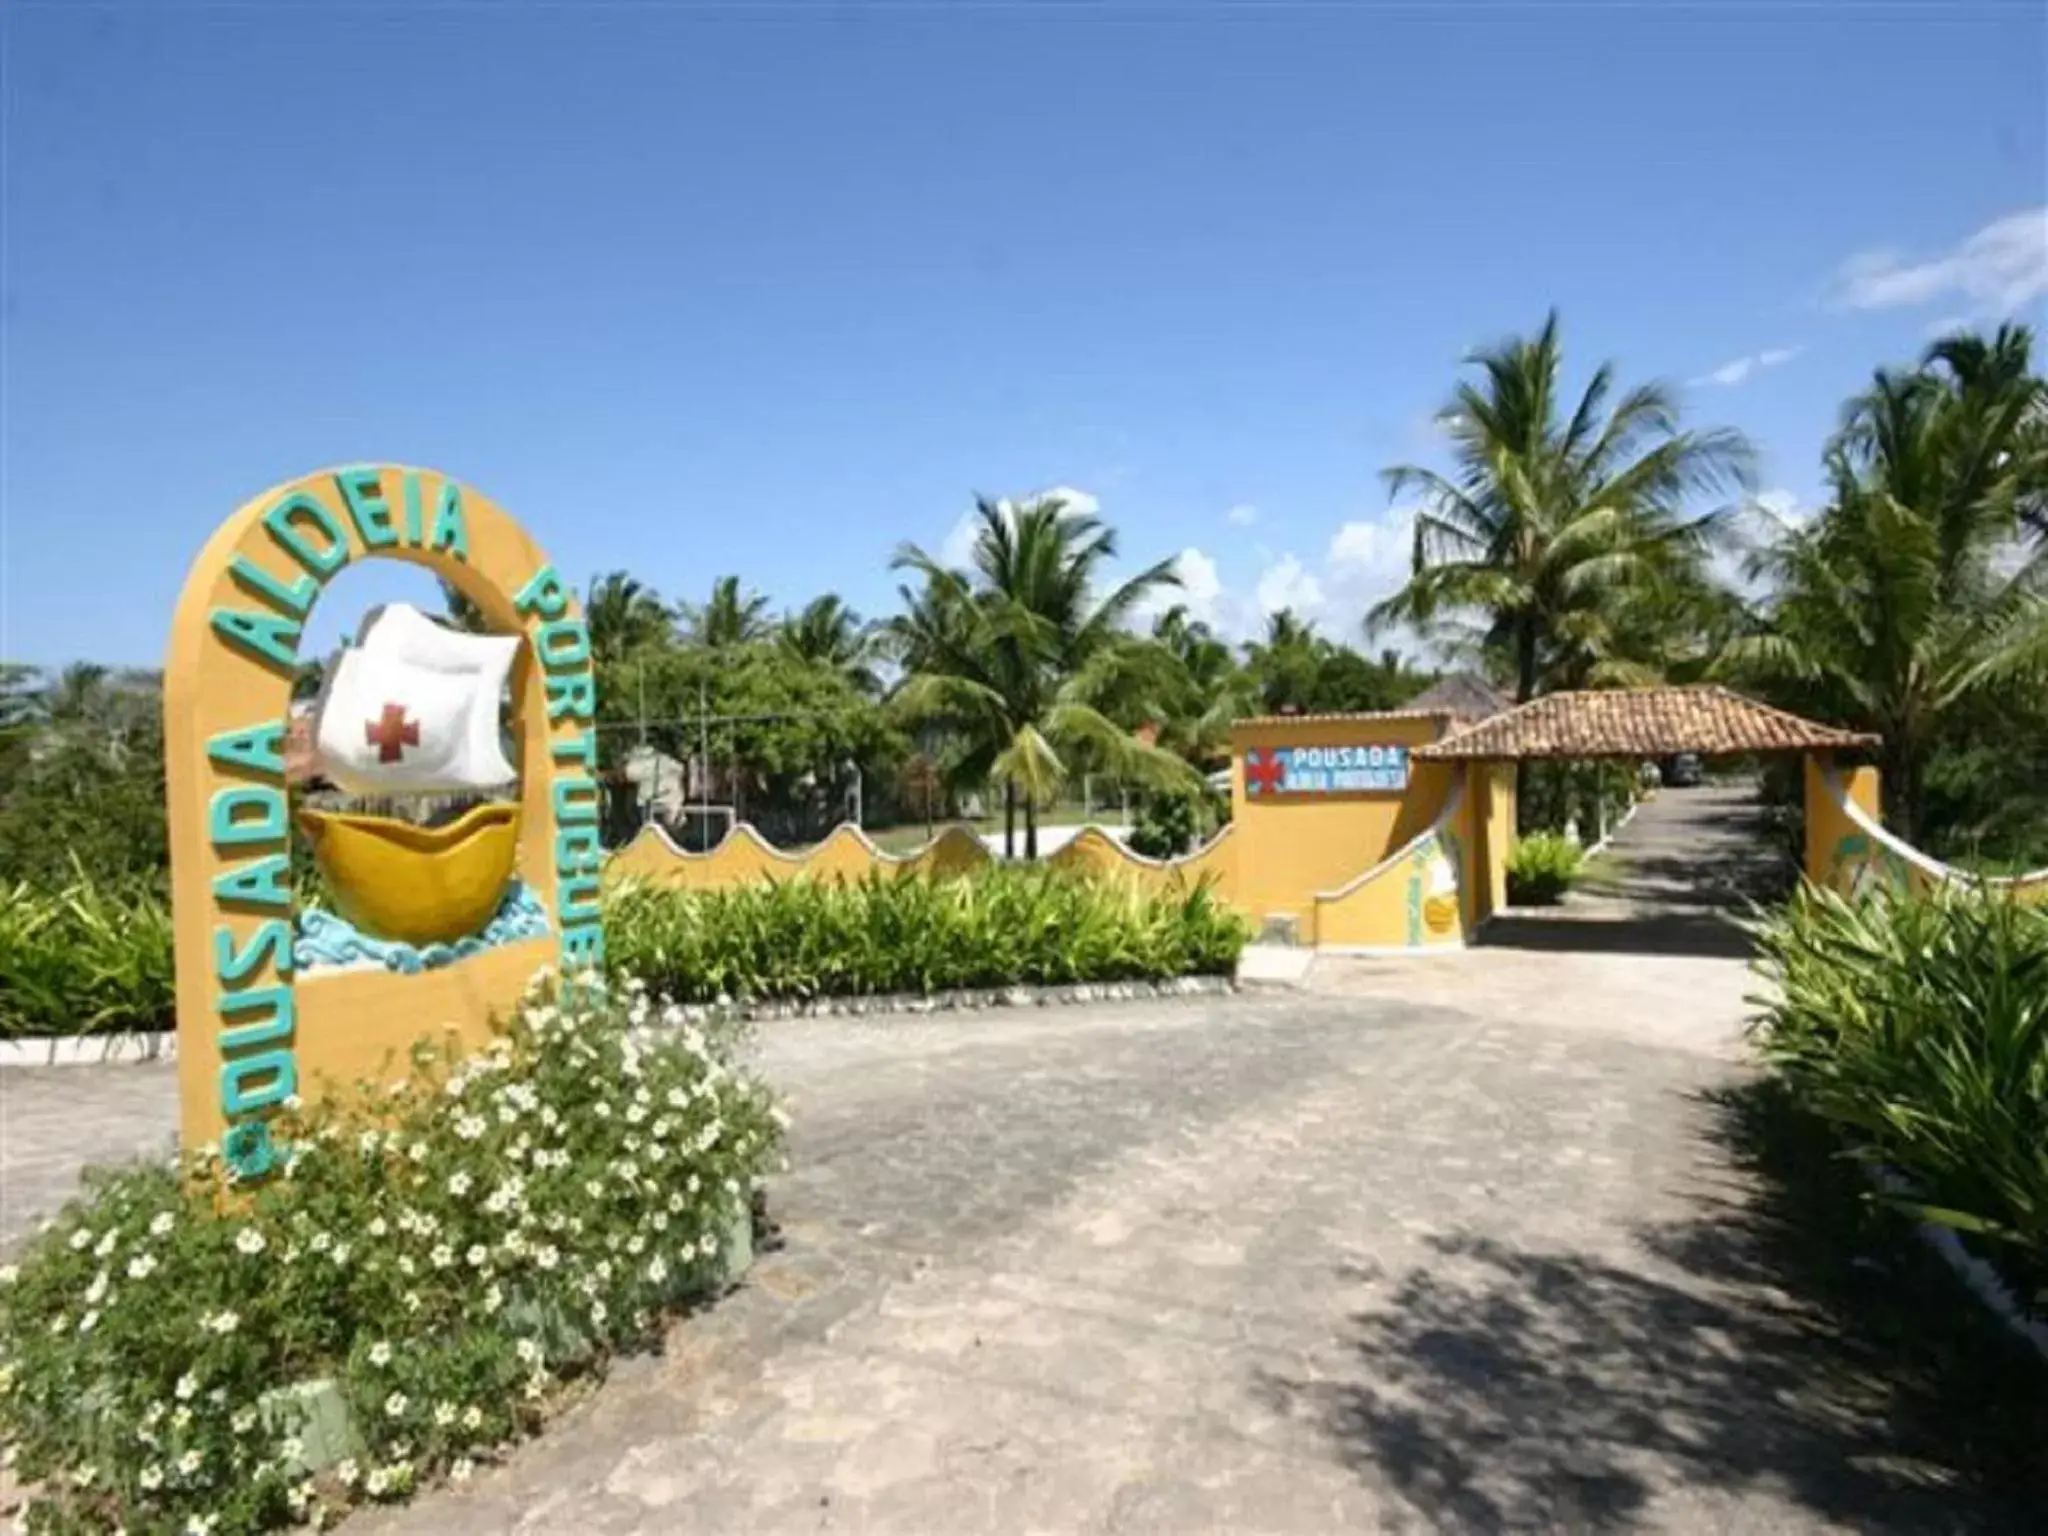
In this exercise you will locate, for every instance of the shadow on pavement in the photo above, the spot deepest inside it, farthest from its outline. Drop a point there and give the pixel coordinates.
(1709, 933)
(1808, 1349)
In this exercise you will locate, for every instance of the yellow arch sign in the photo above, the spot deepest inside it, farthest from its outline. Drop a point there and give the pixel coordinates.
(252, 1032)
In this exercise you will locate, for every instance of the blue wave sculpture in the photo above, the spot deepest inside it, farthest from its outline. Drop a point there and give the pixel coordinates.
(327, 939)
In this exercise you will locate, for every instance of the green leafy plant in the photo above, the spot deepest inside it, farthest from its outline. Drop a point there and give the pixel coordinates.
(89, 955)
(1918, 1028)
(445, 1251)
(1001, 927)
(1542, 867)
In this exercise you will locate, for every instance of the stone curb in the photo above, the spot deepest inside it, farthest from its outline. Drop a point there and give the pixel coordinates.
(131, 1049)
(962, 1001)
(1979, 1278)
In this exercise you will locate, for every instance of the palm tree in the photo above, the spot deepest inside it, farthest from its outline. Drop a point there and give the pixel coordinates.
(1909, 597)
(1023, 659)
(827, 633)
(1211, 692)
(624, 616)
(1283, 667)
(730, 618)
(1546, 520)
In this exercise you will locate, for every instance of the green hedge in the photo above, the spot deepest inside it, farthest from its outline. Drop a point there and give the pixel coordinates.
(1000, 927)
(444, 1254)
(1918, 1028)
(98, 958)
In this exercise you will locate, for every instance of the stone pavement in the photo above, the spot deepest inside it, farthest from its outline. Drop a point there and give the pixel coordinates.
(1453, 1243)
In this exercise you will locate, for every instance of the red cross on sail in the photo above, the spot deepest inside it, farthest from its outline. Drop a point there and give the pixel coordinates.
(413, 708)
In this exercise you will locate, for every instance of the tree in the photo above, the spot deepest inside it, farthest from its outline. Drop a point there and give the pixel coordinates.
(1911, 601)
(1547, 521)
(1210, 693)
(462, 614)
(730, 618)
(829, 634)
(1036, 673)
(624, 617)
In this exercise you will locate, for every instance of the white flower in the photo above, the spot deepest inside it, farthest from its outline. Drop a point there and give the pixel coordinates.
(98, 1289)
(675, 1203)
(151, 1477)
(412, 1301)
(374, 1483)
(161, 1223)
(598, 1313)
(455, 1086)
(187, 1388)
(84, 1475)
(546, 1256)
(9, 1273)
(321, 1242)
(200, 1525)
(458, 1184)
(707, 1245)
(292, 1449)
(141, 1266)
(105, 1245)
(367, 1143)
(444, 1415)
(341, 1253)
(249, 1241)
(181, 1417)
(536, 1386)
(417, 1151)
(378, 1226)
(636, 1244)
(493, 1299)
(346, 1472)
(472, 1417)
(442, 1256)
(528, 1351)
(593, 1188)
(478, 1255)
(222, 1323)
(189, 1463)
(299, 1495)
(87, 1323)
(470, 1127)
(661, 1221)
(635, 1114)
(242, 1420)
(58, 1324)
(380, 1354)
(406, 1266)
(463, 1469)
(394, 1406)
(658, 1270)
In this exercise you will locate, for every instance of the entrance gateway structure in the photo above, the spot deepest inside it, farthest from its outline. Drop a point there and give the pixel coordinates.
(1391, 831)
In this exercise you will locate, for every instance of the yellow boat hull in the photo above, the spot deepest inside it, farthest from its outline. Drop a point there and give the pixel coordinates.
(420, 885)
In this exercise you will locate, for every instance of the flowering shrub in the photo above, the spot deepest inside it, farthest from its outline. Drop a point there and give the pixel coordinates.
(444, 1251)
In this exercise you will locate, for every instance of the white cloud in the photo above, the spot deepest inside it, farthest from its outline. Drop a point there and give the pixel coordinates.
(1738, 369)
(958, 548)
(1244, 514)
(1287, 583)
(1780, 504)
(2001, 268)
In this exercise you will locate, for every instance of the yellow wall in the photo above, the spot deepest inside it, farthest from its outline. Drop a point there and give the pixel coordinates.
(1096, 852)
(1290, 849)
(744, 857)
(1844, 854)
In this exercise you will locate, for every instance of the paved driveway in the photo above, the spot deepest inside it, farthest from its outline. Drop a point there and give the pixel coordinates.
(1454, 1243)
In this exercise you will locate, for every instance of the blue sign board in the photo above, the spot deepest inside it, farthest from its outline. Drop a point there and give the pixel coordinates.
(1324, 770)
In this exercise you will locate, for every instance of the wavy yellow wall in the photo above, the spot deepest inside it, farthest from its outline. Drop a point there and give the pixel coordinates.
(1095, 852)
(1849, 851)
(1427, 895)
(745, 857)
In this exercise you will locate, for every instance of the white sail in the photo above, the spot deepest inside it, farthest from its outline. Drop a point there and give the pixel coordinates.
(412, 707)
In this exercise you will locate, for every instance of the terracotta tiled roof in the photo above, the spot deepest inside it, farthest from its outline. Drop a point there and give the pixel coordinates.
(1641, 722)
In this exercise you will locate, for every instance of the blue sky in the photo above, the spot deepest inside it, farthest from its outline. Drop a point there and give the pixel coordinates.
(704, 289)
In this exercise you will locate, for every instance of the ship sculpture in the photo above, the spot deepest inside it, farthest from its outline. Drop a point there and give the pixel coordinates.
(412, 708)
